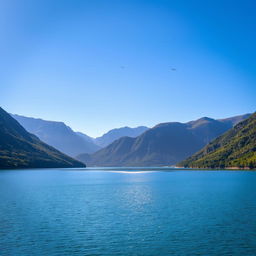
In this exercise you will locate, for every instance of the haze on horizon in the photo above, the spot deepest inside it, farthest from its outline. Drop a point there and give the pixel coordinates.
(97, 65)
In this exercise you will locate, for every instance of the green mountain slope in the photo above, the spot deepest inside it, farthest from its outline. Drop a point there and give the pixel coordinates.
(235, 148)
(20, 149)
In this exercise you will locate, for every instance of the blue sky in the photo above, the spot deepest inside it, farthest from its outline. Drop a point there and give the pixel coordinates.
(97, 65)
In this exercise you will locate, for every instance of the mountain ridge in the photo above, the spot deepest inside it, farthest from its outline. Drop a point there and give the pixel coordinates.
(117, 133)
(164, 144)
(21, 149)
(58, 135)
(234, 149)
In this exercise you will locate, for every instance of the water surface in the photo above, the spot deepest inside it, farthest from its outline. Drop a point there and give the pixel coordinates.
(120, 211)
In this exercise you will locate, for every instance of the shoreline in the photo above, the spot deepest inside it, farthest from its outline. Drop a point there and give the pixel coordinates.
(233, 168)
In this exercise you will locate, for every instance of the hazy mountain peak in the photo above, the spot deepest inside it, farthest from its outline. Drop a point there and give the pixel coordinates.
(117, 133)
(168, 124)
(235, 119)
(58, 135)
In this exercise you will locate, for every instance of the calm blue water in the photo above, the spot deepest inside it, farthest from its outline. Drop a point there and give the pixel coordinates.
(121, 212)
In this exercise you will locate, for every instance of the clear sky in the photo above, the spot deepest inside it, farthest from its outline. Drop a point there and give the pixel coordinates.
(97, 65)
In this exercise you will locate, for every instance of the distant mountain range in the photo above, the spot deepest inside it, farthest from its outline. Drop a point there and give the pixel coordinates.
(117, 133)
(63, 138)
(58, 135)
(20, 149)
(164, 144)
(235, 148)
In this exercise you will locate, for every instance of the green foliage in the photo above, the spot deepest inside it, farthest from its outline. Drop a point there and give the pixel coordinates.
(235, 148)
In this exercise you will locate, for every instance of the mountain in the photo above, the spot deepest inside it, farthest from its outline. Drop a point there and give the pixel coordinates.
(235, 148)
(164, 144)
(235, 120)
(58, 135)
(86, 137)
(117, 133)
(20, 149)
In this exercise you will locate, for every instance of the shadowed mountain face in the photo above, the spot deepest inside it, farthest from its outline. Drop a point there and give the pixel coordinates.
(117, 133)
(58, 135)
(235, 148)
(20, 149)
(164, 144)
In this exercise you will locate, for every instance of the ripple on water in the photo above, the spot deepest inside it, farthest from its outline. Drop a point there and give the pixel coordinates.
(106, 212)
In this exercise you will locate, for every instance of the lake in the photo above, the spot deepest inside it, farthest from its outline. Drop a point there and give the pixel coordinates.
(120, 211)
